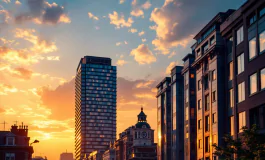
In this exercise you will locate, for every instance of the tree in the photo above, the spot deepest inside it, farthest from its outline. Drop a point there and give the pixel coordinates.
(249, 146)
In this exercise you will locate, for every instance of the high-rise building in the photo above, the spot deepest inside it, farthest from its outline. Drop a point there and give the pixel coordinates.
(95, 105)
(189, 74)
(210, 83)
(177, 112)
(66, 156)
(164, 119)
(244, 34)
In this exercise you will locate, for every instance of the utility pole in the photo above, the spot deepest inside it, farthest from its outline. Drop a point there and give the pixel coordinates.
(4, 125)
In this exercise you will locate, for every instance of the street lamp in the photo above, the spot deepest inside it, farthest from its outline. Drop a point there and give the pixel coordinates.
(36, 141)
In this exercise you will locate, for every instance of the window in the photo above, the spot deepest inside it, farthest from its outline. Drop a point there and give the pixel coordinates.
(187, 95)
(232, 125)
(10, 141)
(252, 48)
(206, 86)
(229, 44)
(198, 53)
(214, 75)
(199, 85)
(241, 92)
(207, 144)
(262, 41)
(205, 47)
(200, 144)
(10, 156)
(214, 96)
(212, 40)
(192, 75)
(254, 116)
(187, 113)
(231, 71)
(200, 124)
(253, 83)
(240, 35)
(262, 79)
(207, 123)
(261, 12)
(240, 63)
(241, 120)
(231, 97)
(252, 19)
(187, 134)
(207, 102)
(199, 104)
(214, 118)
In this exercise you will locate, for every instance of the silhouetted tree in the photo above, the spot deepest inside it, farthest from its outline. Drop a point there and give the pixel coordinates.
(249, 146)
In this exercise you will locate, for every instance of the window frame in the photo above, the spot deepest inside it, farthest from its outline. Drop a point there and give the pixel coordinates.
(214, 96)
(241, 65)
(214, 75)
(250, 83)
(243, 96)
(240, 35)
(214, 118)
(241, 119)
(260, 78)
(255, 47)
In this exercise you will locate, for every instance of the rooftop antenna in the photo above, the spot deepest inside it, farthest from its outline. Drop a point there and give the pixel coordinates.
(16, 122)
(4, 125)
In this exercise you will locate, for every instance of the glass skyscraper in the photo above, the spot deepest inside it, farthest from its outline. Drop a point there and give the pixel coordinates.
(95, 105)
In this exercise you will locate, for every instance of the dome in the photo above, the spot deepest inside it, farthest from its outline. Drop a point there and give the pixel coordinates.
(142, 122)
(142, 125)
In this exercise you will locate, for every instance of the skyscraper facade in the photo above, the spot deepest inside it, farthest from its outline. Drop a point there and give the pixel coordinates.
(189, 75)
(177, 94)
(95, 105)
(164, 125)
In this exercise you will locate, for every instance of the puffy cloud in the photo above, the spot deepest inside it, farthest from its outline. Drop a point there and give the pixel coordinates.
(122, 1)
(42, 12)
(6, 1)
(137, 12)
(172, 54)
(53, 58)
(145, 96)
(143, 40)
(91, 16)
(141, 33)
(60, 98)
(5, 89)
(119, 21)
(145, 84)
(118, 43)
(22, 73)
(170, 67)
(143, 55)
(177, 20)
(18, 2)
(146, 5)
(132, 30)
(4, 17)
(40, 45)
(121, 62)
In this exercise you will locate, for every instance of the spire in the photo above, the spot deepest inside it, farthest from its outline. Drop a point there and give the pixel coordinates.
(142, 109)
(142, 116)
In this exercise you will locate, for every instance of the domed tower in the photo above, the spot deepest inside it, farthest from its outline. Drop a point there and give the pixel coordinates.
(143, 134)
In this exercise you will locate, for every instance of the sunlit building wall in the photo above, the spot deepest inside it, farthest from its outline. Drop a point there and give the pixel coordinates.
(95, 105)
(210, 86)
(164, 122)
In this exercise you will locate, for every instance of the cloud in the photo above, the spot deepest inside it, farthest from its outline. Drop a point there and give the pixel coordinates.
(143, 40)
(146, 5)
(121, 62)
(143, 55)
(6, 1)
(42, 12)
(62, 98)
(177, 20)
(5, 89)
(4, 17)
(22, 73)
(119, 21)
(145, 84)
(141, 33)
(145, 96)
(40, 45)
(18, 2)
(53, 58)
(132, 30)
(172, 54)
(122, 1)
(137, 12)
(170, 67)
(118, 43)
(1, 110)
(91, 16)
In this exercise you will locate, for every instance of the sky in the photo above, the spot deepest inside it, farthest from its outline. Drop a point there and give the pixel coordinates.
(42, 41)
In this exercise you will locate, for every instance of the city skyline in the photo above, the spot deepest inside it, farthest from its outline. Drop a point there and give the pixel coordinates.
(39, 55)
